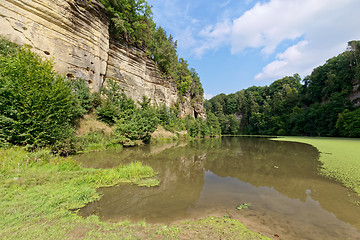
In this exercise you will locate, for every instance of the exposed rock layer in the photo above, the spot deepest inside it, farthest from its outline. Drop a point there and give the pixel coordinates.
(355, 93)
(138, 75)
(75, 34)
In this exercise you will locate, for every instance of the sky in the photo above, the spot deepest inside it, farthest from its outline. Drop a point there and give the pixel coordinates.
(236, 44)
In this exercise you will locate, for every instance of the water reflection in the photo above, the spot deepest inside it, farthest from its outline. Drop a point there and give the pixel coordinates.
(211, 177)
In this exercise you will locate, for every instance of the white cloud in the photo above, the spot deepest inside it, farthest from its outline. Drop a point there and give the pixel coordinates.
(318, 29)
(215, 37)
(280, 67)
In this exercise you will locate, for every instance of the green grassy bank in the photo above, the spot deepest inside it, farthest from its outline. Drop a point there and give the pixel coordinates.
(340, 158)
(38, 192)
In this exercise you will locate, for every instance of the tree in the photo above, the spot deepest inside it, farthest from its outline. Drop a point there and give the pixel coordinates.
(348, 123)
(37, 107)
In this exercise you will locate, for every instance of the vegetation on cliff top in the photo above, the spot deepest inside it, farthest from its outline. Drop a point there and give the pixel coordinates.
(132, 23)
(318, 107)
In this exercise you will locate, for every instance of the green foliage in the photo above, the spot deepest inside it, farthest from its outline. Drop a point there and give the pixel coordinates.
(115, 104)
(131, 123)
(256, 110)
(317, 120)
(168, 118)
(7, 48)
(138, 125)
(131, 21)
(164, 53)
(83, 94)
(202, 128)
(97, 141)
(348, 123)
(39, 190)
(95, 100)
(134, 123)
(37, 106)
(334, 76)
(243, 206)
(192, 126)
(213, 124)
(188, 81)
(288, 108)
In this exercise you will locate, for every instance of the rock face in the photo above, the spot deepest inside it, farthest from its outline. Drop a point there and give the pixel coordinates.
(74, 33)
(138, 75)
(355, 93)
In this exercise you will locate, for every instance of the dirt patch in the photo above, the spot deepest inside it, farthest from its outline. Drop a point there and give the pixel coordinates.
(162, 133)
(90, 124)
(79, 232)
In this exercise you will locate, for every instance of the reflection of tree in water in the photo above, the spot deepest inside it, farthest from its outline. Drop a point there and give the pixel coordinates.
(182, 179)
(266, 163)
(290, 168)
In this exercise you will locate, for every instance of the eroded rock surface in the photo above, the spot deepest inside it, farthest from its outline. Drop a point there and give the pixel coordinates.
(138, 75)
(74, 33)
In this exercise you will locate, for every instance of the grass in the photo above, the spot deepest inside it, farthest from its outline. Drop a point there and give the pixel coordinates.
(97, 141)
(39, 195)
(340, 158)
(38, 190)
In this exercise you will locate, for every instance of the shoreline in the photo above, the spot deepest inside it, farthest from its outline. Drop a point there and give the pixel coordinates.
(340, 158)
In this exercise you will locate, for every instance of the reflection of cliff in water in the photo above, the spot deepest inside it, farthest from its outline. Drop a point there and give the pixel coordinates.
(181, 182)
(195, 175)
(290, 168)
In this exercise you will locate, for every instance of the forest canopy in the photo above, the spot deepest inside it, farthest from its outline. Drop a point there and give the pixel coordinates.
(318, 105)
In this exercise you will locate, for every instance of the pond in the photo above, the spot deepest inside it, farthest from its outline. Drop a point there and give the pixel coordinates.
(280, 182)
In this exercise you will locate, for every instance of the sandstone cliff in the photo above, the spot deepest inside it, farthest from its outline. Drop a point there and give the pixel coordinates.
(138, 75)
(355, 93)
(74, 33)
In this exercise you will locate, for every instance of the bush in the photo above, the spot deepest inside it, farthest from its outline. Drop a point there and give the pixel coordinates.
(168, 118)
(37, 107)
(95, 100)
(214, 125)
(139, 125)
(115, 104)
(83, 94)
(348, 123)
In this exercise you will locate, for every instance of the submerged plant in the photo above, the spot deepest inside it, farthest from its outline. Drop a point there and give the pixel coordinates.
(243, 206)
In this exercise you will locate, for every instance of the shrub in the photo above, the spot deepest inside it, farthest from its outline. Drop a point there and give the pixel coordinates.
(115, 103)
(139, 125)
(168, 118)
(348, 123)
(95, 100)
(83, 94)
(37, 106)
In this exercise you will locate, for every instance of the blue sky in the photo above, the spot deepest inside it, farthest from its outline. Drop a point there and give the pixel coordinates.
(235, 44)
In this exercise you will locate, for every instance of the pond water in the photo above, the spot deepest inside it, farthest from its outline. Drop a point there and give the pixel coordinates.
(211, 177)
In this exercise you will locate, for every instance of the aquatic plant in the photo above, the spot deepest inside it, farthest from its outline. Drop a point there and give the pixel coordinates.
(243, 206)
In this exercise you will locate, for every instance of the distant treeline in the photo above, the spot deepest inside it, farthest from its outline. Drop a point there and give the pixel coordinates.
(318, 105)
